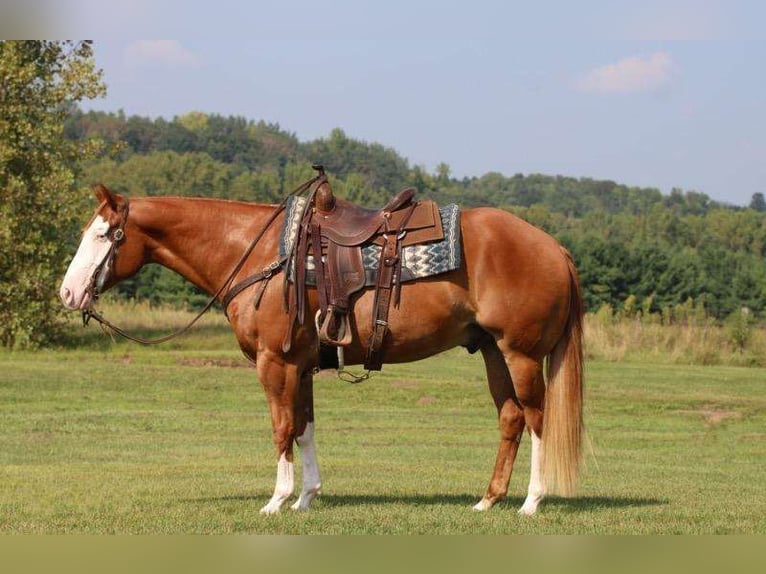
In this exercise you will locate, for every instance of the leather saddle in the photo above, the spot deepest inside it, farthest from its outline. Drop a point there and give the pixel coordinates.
(334, 231)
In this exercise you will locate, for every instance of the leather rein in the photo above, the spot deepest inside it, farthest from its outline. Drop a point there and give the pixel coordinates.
(118, 237)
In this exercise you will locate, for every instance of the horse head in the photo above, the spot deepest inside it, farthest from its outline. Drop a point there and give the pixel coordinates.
(96, 266)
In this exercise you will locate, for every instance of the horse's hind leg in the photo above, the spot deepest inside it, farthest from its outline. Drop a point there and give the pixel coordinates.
(511, 421)
(529, 385)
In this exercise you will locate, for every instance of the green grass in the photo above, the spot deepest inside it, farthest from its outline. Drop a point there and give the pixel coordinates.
(116, 438)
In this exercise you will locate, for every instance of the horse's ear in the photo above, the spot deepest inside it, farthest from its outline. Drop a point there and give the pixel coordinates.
(104, 195)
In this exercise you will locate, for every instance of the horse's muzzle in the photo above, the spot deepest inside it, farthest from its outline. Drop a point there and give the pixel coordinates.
(70, 301)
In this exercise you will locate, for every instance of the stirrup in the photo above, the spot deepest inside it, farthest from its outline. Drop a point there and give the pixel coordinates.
(344, 329)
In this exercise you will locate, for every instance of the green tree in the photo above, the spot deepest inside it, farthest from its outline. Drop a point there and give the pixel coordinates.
(442, 173)
(40, 81)
(382, 168)
(757, 202)
(166, 173)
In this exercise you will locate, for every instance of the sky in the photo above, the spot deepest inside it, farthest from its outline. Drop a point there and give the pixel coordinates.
(649, 93)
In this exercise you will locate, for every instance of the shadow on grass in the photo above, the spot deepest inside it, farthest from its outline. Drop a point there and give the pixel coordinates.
(342, 500)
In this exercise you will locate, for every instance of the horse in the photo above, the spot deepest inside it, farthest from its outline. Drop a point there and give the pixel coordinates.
(515, 298)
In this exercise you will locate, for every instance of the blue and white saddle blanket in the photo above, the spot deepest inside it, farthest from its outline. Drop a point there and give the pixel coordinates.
(418, 261)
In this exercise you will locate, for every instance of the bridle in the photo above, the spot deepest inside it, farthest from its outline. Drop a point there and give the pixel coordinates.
(117, 237)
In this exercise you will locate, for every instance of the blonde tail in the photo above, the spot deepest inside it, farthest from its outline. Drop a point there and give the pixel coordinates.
(563, 427)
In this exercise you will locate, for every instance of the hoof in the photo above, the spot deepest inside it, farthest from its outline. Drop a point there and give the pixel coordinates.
(483, 504)
(529, 508)
(305, 499)
(269, 509)
(274, 505)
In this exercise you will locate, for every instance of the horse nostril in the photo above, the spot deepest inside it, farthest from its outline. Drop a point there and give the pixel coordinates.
(66, 295)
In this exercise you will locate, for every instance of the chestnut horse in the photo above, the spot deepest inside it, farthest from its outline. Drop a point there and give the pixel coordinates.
(516, 298)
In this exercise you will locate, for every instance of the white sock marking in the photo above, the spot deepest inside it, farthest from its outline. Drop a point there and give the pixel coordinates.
(536, 489)
(312, 484)
(284, 487)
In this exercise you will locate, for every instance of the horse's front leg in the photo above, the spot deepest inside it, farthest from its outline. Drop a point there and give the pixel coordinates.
(280, 381)
(291, 404)
(305, 408)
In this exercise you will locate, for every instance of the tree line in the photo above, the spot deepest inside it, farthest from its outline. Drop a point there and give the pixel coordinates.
(630, 243)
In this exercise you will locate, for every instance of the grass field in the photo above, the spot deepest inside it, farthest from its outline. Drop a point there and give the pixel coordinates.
(115, 438)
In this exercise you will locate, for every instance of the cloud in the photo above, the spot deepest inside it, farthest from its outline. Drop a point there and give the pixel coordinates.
(166, 53)
(630, 75)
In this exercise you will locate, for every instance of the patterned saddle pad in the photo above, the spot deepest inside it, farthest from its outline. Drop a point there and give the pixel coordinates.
(418, 261)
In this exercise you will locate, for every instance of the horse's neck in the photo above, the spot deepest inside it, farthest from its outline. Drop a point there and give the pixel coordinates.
(200, 239)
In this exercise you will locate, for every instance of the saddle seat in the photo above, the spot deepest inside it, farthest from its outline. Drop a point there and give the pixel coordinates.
(348, 224)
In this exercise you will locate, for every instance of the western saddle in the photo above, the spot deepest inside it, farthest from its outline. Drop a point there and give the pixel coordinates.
(334, 231)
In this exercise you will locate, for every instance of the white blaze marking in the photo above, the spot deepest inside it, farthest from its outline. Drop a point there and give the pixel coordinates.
(92, 251)
(311, 482)
(536, 489)
(283, 488)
